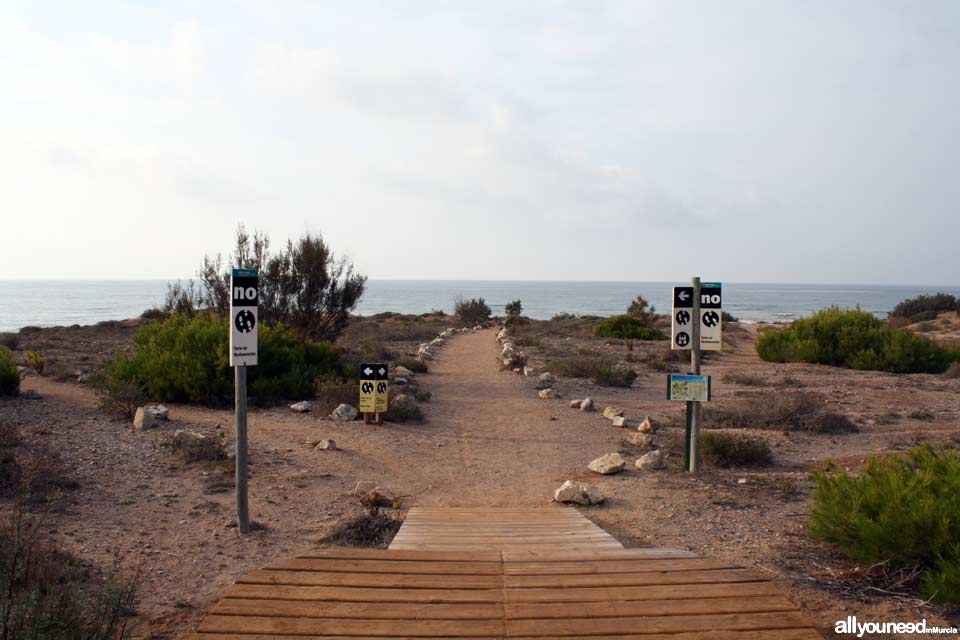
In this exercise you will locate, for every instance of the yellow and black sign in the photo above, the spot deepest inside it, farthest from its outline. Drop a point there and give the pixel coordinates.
(373, 388)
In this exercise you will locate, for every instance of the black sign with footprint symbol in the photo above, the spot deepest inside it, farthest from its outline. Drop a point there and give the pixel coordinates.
(245, 321)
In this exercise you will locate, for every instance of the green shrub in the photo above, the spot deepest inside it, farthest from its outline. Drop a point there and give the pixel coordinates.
(118, 396)
(735, 450)
(624, 326)
(856, 339)
(924, 307)
(332, 391)
(900, 510)
(615, 376)
(726, 316)
(185, 359)
(642, 311)
(9, 340)
(578, 366)
(9, 376)
(513, 309)
(563, 315)
(472, 312)
(414, 364)
(402, 408)
(37, 361)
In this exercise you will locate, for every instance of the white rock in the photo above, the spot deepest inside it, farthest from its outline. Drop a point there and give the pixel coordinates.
(578, 493)
(400, 381)
(143, 420)
(403, 372)
(188, 439)
(425, 353)
(545, 380)
(612, 412)
(502, 335)
(158, 411)
(528, 371)
(646, 426)
(363, 487)
(649, 461)
(438, 342)
(303, 406)
(610, 463)
(546, 394)
(575, 404)
(638, 439)
(449, 333)
(618, 421)
(741, 481)
(344, 412)
(587, 404)
(327, 445)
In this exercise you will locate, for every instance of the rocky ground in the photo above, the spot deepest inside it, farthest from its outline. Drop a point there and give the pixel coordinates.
(488, 440)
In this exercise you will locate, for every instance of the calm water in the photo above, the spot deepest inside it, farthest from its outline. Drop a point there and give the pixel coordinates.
(62, 302)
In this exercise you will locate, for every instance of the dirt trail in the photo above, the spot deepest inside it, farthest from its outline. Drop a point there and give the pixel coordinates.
(501, 444)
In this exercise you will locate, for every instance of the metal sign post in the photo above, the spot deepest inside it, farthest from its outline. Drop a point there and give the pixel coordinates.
(244, 301)
(693, 407)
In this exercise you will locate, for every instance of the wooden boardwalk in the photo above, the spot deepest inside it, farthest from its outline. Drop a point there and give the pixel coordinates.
(582, 587)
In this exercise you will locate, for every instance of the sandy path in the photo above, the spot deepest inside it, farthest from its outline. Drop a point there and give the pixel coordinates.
(501, 444)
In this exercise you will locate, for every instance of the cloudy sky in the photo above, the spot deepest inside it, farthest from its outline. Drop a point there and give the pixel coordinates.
(744, 141)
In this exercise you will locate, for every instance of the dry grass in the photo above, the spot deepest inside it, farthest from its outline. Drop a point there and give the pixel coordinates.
(375, 530)
(797, 411)
(744, 378)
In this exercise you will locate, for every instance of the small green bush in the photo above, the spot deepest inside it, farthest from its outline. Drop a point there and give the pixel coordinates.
(403, 408)
(855, 339)
(118, 396)
(726, 316)
(735, 450)
(9, 376)
(37, 361)
(624, 326)
(615, 376)
(472, 312)
(513, 309)
(184, 359)
(900, 510)
(414, 364)
(924, 307)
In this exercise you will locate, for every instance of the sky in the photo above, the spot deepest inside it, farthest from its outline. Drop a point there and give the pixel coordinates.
(762, 141)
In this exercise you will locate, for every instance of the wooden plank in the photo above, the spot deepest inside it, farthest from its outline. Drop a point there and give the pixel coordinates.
(652, 592)
(714, 634)
(260, 636)
(549, 555)
(632, 579)
(612, 566)
(653, 625)
(406, 567)
(352, 594)
(395, 556)
(337, 626)
(371, 580)
(700, 606)
(358, 610)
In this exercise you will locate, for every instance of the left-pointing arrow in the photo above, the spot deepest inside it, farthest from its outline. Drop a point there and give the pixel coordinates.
(368, 371)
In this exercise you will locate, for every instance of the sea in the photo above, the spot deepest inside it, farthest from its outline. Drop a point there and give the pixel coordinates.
(47, 303)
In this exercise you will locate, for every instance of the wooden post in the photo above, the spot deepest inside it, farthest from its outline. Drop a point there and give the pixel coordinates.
(694, 462)
(240, 393)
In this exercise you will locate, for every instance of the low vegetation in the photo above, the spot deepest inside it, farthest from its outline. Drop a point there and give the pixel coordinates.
(900, 512)
(118, 396)
(744, 378)
(331, 392)
(954, 371)
(625, 326)
(414, 364)
(855, 339)
(735, 450)
(642, 311)
(615, 376)
(790, 411)
(472, 312)
(578, 366)
(37, 361)
(9, 376)
(184, 359)
(925, 307)
(513, 309)
(403, 408)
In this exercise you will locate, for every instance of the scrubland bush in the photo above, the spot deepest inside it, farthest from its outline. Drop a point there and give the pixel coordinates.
(9, 376)
(745, 378)
(154, 313)
(182, 298)
(735, 450)
(513, 309)
(924, 307)
(578, 366)
(563, 315)
(117, 396)
(37, 361)
(515, 360)
(798, 411)
(197, 448)
(900, 511)
(624, 326)
(185, 359)
(332, 391)
(726, 316)
(642, 311)
(9, 340)
(615, 376)
(953, 371)
(403, 408)
(472, 312)
(856, 339)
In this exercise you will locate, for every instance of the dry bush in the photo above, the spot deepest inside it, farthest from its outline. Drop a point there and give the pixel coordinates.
(797, 411)
(375, 529)
(414, 364)
(204, 449)
(332, 392)
(615, 376)
(953, 371)
(744, 378)
(118, 397)
(10, 341)
(578, 366)
(735, 450)
(403, 408)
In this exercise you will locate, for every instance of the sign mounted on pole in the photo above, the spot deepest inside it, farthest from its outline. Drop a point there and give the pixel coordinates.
(711, 317)
(681, 321)
(244, 298)
(688, 387)
(374, 386)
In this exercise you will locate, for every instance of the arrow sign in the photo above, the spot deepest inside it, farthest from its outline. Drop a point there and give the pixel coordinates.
(683, 295)
(382, 371)
(368, 371)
